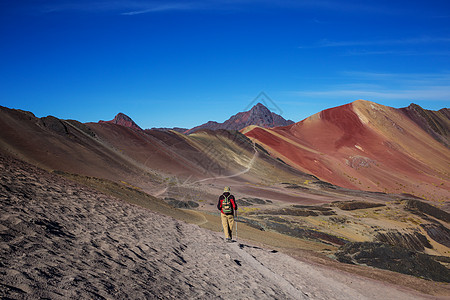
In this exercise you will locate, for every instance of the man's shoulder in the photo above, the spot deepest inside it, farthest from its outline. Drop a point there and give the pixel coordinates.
(229, 196)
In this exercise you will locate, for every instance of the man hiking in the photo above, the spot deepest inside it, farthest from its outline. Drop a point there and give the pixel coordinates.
(227, 205)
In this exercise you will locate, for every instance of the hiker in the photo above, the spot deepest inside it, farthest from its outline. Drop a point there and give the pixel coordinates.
(227, 206)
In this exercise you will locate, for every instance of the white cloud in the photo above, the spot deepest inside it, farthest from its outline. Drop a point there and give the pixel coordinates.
(396, 52)
(135, 7)
(161, 8)
(325, 43)
(389, 86)
(438, 93)
(431, 79)
(121, 6)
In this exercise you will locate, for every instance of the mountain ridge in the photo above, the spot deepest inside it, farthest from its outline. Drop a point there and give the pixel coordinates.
(258, 115)
(436, 123)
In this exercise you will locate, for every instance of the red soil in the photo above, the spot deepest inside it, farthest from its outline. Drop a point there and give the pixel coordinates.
(348, 122)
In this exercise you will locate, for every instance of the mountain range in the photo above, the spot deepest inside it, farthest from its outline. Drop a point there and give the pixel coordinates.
(258, 115)
(347, 178)
(361, 145)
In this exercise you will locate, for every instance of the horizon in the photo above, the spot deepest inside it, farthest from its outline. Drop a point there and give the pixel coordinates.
(227, 118)
(181, 64)
(220, 122)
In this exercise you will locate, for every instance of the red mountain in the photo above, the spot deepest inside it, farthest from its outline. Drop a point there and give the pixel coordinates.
(368, 146)
(123, 120)
(258, 115)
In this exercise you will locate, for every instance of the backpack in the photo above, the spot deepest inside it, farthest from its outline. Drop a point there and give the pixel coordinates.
(227, 208)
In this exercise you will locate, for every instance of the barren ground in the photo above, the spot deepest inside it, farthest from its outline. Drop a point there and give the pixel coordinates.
(60, 239)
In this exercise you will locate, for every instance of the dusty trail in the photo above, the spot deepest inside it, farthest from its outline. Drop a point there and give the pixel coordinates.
(278, 280)
(247, 169)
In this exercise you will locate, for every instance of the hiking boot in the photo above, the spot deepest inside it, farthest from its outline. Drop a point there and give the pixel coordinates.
(228, 240)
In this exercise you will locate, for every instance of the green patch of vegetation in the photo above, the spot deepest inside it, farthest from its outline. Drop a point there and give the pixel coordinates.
(248, 210)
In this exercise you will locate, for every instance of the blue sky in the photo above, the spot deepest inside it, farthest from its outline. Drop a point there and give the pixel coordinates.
(182, 63)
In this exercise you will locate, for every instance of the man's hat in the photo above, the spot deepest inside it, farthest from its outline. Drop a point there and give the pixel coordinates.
(226, 189)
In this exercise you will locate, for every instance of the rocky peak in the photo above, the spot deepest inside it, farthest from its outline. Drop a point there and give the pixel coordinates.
(258, 115)
(261, 116)
(123, 120)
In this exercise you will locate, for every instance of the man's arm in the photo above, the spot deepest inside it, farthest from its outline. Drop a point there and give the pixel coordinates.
(233, 202)
(219, 204)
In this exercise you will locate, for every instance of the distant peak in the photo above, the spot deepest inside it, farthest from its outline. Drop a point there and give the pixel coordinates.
(122, 116)
(123, 120)
(414, 106)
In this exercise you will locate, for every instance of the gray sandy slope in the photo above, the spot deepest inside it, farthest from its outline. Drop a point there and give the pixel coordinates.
(61, 240)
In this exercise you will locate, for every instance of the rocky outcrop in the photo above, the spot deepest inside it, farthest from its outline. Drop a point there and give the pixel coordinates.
(249, 201)
(436, 123)
(277, 223)
(395, 259)
(54, 124)
(353, 205)
(420, 208)
(123, 120)
(411, 241)
(438, 233)
(297, 210)
(258, 115)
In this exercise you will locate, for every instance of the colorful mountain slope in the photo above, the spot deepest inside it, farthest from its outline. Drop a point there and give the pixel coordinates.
(258, 115)
(361, 145)
(152, 160)
(366, 146)
(65, 145)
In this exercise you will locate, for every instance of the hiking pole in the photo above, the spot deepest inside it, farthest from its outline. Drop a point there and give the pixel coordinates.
(236, 225)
